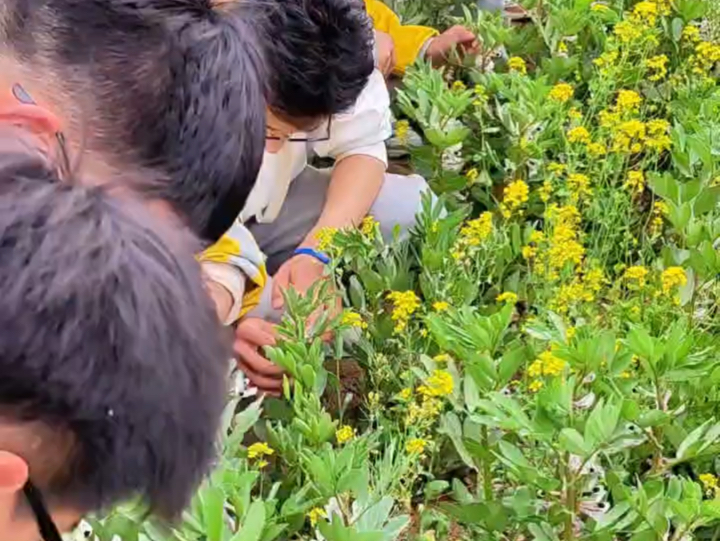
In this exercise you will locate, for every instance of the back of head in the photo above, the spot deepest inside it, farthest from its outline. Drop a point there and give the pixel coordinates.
(319, 54)
(110, 348)
(173, 85)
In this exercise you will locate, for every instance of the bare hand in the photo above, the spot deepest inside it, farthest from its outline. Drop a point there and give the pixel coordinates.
(456, 37)
(386, 53)
(251, 335)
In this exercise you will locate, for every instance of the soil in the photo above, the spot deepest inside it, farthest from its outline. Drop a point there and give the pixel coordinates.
(347, 376)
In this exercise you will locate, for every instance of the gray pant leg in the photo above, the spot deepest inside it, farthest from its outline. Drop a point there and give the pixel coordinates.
(396, 205)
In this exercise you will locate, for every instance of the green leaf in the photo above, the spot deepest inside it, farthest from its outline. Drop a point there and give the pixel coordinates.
(451, 427)
(435, 488)
(254, 524)
(213, 502)
(542, 532)
(572, 441)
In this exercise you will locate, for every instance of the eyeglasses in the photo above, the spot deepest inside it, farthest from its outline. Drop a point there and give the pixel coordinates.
(46, 526)
(24, 97)
(304, 139)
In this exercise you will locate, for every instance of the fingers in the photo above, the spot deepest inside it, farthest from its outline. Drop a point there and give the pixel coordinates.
(257, 332)
(250, 358)
(265, 385)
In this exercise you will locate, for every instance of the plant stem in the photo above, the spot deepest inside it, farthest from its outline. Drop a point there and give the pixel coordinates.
(487, 467)
(568, 534)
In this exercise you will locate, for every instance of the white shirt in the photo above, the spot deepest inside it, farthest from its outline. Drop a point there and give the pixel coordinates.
(359, 131)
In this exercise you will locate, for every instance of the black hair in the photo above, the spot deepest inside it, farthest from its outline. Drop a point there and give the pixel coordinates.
(109, 344)
(319, 55)
(177, 86)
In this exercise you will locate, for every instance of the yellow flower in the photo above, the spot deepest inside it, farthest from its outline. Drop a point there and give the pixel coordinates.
(508, 298)
(405, 394)
(515, 196)
(517, 64)
(325, 238)
(594, 280)
(442, 358)
(405, 304)
(575, 114)
(636, 274)
(315, 515)
(459, 86)
(440, 383)
(628, 100)
(569, 295)
(476, 231)
(608, 119)
(344, 434)
(628, 32)
(570, 333)
(635, 182)
(710, 484)
(691, 33)
(416, 446)
(529, 252)
(599, 7)
(646, 12)
(562, 93)
(556, 168)
(546, 364)
(626, 375)
(368, 225)
(579, 134)
(673, 278)
(535, 386)
(441, 306)
(596, 150)
(579, 186)
(402, 131)
(545, 191)
(353, 319)
(658, 64)
(259, 450)
(472, 176)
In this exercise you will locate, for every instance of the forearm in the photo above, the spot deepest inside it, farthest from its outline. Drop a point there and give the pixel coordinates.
(354, 186)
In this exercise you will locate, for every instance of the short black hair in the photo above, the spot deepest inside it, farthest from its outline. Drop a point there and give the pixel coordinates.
(177, 86)
(319, 55)
(109, 343)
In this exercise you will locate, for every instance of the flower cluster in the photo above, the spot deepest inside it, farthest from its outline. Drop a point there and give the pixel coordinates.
(515, 196)
(405, 304)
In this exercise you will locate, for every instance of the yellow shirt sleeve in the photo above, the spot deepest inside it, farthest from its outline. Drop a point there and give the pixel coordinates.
(409, 39)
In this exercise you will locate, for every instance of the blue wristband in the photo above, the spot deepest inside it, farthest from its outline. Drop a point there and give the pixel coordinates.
(321, 257)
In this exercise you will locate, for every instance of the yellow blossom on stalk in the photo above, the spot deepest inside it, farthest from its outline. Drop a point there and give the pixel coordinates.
(405, 394)
(440, 383)
(658, 64)
(374, 400)
(594, 280)
(515, 196)
(636, 275)
(416, 446)
(562, 93)
(575, 114)
(508, 298)
(556, 168)
(367, 227)
(537, 237)
(608, 119)
(476, 231)
(353, 319)
(442, 358)
(628, 32)
(545, 191)
(660, 210)
(673, 278)
(517, 64)
(707, 55)
(562, 48)
(657, 135)
(569, 295)
(691, 33)
(579, 134)
(579, 186)
(459, 86)
(402, 131)
(315, 515)
(599, 7)
(344, 434)
(535, 386)
(441, 306)
(646, 12)
(626, 375)
(606, 59)
(570, 333)
(325, 238)
(596, 150)
(546, 364)
(628, 101)
(635, 182)
(710, 484)
(259, 450)
(405, 304)
(472, 176)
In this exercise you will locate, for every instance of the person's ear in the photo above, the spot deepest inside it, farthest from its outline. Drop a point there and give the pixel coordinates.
(14, 473)
(40, 121)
